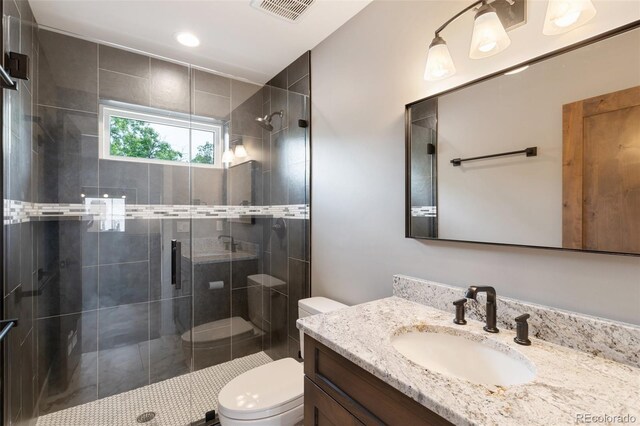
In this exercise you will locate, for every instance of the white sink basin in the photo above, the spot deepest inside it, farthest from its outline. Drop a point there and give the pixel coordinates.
(469, 357)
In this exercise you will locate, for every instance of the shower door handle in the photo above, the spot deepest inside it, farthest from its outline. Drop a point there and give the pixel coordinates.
(7, 325)
(176, 264)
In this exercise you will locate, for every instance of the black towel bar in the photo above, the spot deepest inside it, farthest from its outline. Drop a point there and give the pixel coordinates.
(530, 152)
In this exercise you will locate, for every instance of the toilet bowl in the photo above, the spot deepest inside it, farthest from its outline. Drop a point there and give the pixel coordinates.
(272, 394)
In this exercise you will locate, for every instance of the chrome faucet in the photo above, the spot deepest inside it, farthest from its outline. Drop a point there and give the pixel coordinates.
(231, 244)
(472, 292)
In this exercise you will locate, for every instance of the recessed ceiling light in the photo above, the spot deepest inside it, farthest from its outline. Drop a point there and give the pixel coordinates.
(187, 39)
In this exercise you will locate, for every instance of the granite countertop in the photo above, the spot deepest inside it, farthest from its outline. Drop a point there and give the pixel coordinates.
(568, 382)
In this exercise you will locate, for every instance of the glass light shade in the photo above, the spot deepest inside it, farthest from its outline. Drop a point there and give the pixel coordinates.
(240, 151)
(565, 15)
(489, 36)
(228, 156)
(439, 62)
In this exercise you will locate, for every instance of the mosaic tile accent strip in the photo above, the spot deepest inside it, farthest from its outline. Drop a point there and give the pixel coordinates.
(20, 211)
(176, 402)
(605, 338)
(16, 211)
(424, 211)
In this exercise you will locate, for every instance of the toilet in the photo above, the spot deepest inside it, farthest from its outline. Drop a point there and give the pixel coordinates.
(272, 394)
(209, 344)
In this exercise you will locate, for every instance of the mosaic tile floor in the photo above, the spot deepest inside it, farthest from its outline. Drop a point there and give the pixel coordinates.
(176, 402)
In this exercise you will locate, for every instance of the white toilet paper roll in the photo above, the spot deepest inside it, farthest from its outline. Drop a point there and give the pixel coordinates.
(216, 285)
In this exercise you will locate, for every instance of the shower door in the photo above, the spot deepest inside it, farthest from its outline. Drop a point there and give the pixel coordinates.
(98, 146)
(139, 265)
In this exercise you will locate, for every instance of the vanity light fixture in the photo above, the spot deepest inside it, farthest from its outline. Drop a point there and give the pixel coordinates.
(489, 37)
(439, 62)
(240, 151)
(228, 156)
(565, 15)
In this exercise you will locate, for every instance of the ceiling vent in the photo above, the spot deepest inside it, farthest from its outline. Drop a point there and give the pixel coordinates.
(289, 10)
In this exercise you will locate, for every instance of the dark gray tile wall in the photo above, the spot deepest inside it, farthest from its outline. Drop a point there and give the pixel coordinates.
(20, 253)
(286, 177)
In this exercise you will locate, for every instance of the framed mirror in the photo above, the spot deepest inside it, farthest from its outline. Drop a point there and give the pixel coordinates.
(543, 154)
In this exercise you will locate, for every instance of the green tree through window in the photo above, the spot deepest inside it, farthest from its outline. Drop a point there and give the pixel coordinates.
(135, 138)
(204, 154)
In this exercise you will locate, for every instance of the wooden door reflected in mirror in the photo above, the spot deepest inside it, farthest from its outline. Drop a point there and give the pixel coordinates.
(601, 173)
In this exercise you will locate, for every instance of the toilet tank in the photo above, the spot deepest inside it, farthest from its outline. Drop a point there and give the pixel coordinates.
(312, 306)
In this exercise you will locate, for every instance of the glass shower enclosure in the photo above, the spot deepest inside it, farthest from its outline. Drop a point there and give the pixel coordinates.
(155, 237)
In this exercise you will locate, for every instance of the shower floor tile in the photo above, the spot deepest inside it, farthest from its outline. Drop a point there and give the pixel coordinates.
(176, 402)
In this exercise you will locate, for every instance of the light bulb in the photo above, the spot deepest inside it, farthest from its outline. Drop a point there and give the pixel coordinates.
(439, 62)
(565, 15)
(489, 36)
(487, 46)
(569, 19)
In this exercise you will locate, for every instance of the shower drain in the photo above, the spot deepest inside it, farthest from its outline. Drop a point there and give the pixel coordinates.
(146, 417)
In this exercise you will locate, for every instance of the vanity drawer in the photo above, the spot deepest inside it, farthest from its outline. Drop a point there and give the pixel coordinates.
(365, 396)
(320, 409)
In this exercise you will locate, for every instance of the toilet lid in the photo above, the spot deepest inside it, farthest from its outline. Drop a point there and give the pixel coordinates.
(264, 391)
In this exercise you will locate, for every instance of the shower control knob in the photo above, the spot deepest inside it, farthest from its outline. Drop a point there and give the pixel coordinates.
(280, 227)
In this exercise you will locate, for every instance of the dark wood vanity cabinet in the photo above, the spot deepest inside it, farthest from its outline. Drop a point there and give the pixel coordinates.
(338, 392)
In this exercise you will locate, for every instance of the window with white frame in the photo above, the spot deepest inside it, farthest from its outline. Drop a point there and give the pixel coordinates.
(135, 133)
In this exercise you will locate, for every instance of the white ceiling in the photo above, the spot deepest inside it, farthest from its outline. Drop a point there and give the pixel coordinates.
(236, 39)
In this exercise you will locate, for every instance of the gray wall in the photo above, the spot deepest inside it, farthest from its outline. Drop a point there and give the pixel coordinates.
(363, 75)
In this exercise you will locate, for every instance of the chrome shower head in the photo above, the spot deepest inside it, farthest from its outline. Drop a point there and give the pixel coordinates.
(265, 122)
